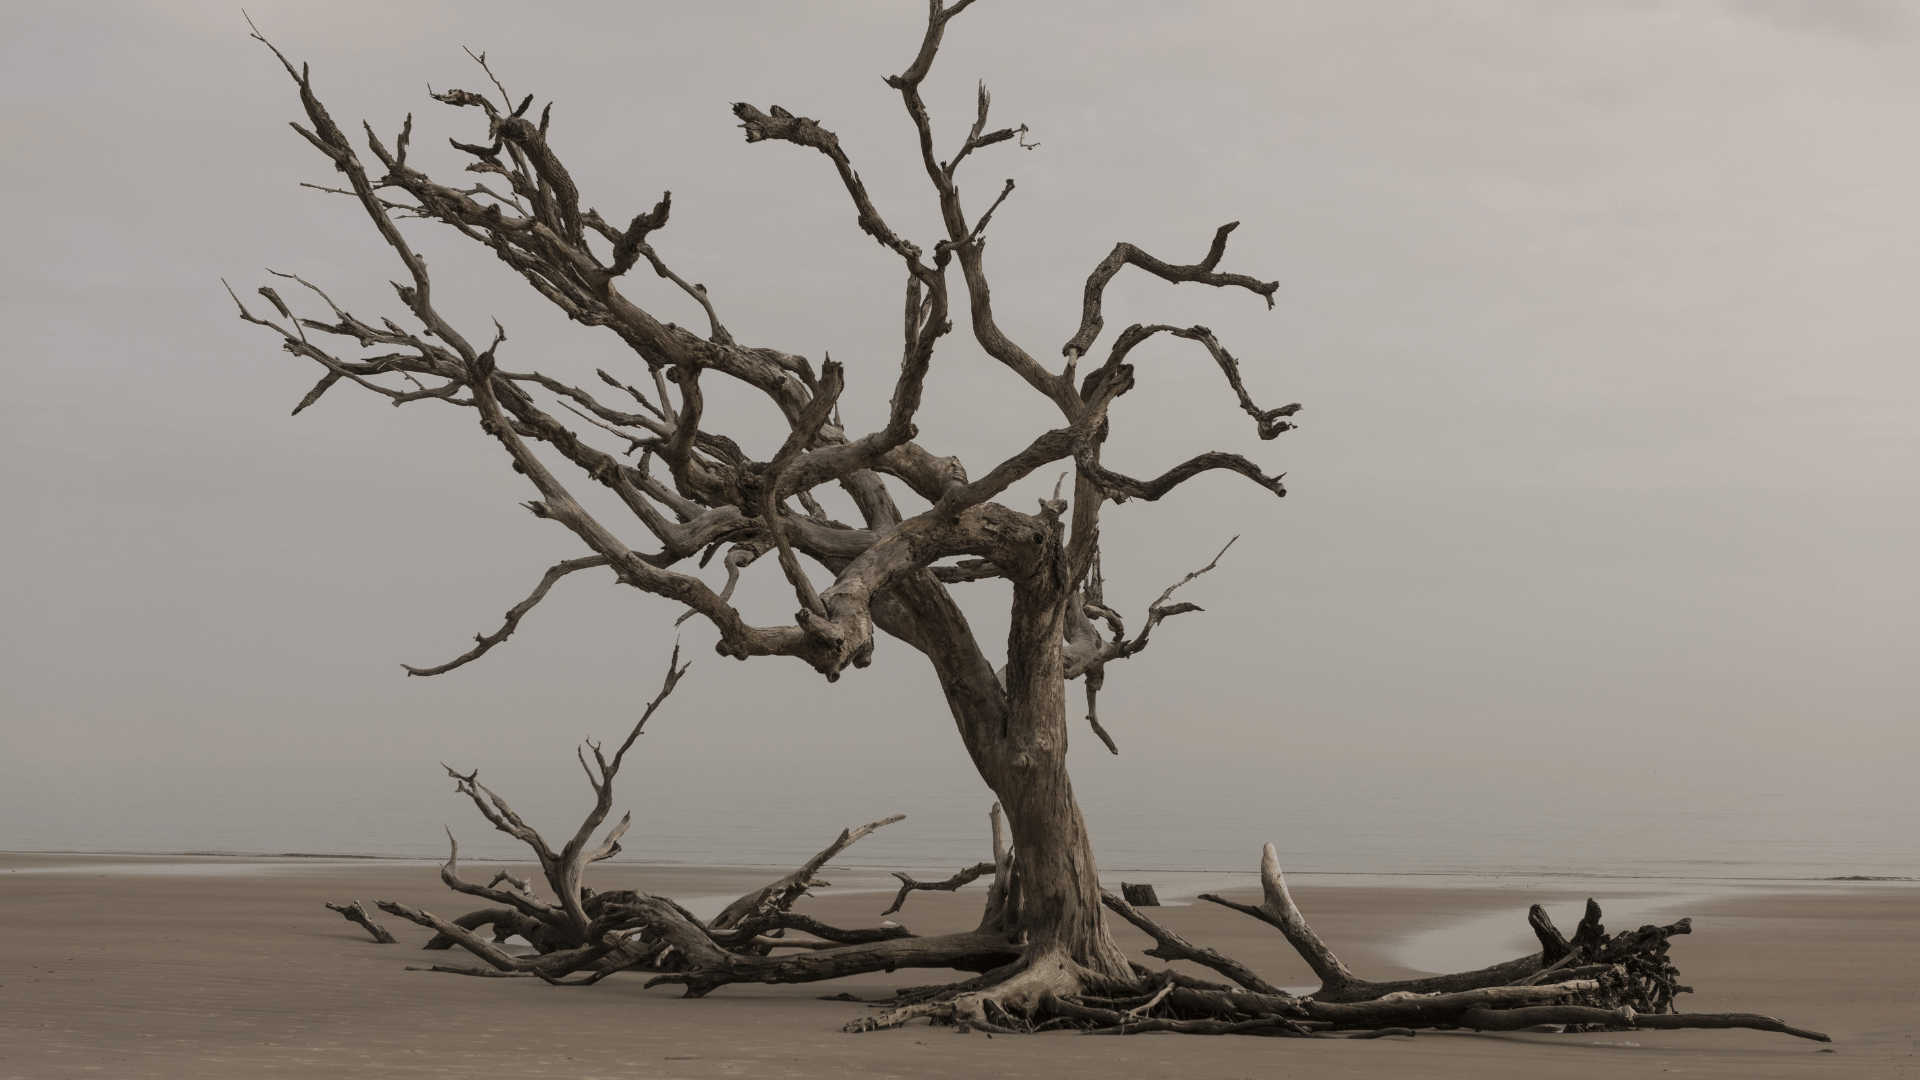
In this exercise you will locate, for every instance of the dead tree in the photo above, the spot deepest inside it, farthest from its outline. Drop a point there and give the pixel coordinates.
(891, 572)
(1042, 946)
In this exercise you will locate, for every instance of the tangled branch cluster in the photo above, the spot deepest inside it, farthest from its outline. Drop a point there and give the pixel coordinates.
(708, 494)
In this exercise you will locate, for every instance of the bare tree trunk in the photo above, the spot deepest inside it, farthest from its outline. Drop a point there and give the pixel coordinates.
(1058, 882)
(1016, 734)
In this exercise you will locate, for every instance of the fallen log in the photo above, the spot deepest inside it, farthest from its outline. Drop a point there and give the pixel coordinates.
(712, 966)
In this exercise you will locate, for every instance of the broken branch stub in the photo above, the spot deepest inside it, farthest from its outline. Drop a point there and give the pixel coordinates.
(355, 913)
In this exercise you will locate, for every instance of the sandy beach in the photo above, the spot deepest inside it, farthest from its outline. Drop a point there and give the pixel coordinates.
(142, 966)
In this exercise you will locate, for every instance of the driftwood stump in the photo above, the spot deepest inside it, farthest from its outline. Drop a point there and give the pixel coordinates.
(354, 913)
(1139, 895)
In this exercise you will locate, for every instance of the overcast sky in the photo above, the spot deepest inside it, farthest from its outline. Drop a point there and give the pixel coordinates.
(1603, 315)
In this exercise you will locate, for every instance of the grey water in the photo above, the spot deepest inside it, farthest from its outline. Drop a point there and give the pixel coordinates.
(1601, 831)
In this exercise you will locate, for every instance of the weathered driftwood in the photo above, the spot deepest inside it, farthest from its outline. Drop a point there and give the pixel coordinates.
(1139, 895)
(1171, 946)
(355, 913)
(909, 885)
(1594, 980)
(713, 966)
(1624, 1018)
(1597, 981)
(602, 933)
(1336, 982)
(780, 895)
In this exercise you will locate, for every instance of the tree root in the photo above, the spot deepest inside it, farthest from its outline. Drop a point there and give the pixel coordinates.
(1591, 981)
(1010, 999)
(909, 885)
(710, 966)
(1624, 1019)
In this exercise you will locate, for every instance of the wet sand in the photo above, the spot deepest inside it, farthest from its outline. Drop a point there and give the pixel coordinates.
(125, 966)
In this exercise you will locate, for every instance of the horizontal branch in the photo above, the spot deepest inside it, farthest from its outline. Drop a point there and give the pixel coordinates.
(1625, 1020)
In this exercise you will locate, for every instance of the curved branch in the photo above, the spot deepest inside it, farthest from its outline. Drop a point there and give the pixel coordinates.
(522, 902)
(805, 430)
(909, 885)
(1152, 490)
(781, 894)
(1123, 253)
(514, 614)
(1112, 379)
(1171, 946)
(1338, 983)
(782, 126)
(962, 240)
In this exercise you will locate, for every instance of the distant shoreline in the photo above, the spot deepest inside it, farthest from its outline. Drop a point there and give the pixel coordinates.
(1545, 876)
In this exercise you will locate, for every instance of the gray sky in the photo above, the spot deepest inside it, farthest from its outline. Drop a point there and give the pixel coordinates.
(1603, 315)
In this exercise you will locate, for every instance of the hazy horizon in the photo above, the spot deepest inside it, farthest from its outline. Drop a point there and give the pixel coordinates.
(1603, 317)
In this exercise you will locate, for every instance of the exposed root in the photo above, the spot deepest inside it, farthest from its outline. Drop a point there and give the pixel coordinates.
(913, 995)
(1172, 946)
(1007, 1000)
(1590, 981)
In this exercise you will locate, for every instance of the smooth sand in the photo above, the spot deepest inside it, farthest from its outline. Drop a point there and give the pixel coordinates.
(136, 967)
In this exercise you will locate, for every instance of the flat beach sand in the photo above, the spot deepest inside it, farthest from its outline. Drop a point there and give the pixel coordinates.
(130, 966)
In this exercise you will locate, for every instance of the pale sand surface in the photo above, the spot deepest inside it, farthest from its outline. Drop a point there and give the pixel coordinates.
(124, 966)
